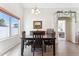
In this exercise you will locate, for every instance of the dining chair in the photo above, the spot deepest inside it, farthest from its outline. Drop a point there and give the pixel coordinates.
(50, 32)
(26, 42)
(37, 41)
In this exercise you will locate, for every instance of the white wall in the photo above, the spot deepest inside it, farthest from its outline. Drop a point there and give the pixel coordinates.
(49, 19)
(69, 29)
(17, 10)
(46, 16)
(77, 26)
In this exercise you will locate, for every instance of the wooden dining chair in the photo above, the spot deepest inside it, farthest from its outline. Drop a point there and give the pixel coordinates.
(49, 43)
(26, 42)
(37, 41)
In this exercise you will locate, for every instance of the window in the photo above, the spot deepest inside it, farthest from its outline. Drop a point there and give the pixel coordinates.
(14, 26)
(4, 25)
(9, 26)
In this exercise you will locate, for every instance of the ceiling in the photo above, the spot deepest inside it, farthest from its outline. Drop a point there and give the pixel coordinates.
(50, 5)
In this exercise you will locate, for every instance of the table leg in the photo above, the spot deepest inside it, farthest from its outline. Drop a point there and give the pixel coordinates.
(22, 46)
(54, 48)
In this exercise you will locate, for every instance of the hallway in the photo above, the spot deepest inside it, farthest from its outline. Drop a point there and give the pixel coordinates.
(63, 48)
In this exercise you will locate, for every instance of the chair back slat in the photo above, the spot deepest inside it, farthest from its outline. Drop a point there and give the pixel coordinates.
(38, 38)
(23, 34)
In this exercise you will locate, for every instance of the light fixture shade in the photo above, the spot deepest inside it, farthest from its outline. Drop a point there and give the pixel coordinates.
(35, 11)
(32, 11)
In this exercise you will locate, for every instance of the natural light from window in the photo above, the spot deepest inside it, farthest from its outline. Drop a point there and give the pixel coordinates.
(9, 26)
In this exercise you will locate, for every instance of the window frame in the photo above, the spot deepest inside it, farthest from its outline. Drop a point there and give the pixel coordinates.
(4, 11)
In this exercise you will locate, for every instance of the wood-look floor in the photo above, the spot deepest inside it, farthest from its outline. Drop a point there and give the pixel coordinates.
(63, 48)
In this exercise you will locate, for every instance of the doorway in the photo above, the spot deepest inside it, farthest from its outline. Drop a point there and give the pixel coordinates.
(61, 30)
(70, 24)
(65, 28)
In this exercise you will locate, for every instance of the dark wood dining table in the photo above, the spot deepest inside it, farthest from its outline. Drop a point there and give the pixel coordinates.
(43, 39)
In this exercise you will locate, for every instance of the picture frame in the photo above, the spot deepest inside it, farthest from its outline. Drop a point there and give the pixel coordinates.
(37, 24)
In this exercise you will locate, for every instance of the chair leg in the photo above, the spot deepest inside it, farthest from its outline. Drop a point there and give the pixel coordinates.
(45, 48)
(34, 51)
(51, 46)
(42, 50)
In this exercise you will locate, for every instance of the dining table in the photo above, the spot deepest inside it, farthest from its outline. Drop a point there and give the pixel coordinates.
(45, 37)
